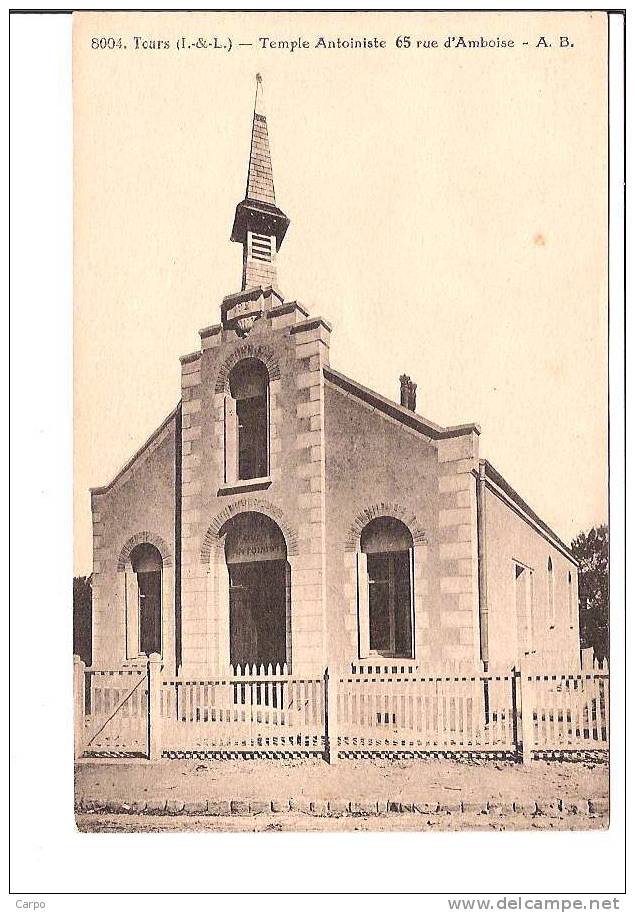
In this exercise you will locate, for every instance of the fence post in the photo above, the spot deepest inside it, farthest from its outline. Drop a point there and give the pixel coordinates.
(515, 696)
(330, 717)
(79, 702)
(526, 713)
(154, 707)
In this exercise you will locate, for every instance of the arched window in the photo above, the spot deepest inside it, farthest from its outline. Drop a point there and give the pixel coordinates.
(385, 589)
(571, 606)
(247, 422)
(259, 591)
(550, 594)
(524, 607)
(147, 567)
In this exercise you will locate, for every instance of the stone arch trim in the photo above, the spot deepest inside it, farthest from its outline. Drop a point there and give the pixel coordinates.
(384, 509)
(212, 540)
(144, 536)
(262, 352)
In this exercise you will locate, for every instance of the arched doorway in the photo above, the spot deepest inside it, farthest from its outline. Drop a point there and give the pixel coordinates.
(386, 545)
(259, 590)
(147, 565)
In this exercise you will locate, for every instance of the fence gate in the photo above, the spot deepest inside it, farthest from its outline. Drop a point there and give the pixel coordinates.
(116, 712)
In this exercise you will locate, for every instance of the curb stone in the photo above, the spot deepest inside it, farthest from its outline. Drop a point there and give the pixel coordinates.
(500, 808)
(426, 808)
(576, 806)
(598, 806)
(240, 807)
(548, 807)
(336, 808)
(364, 808)
(258, 807)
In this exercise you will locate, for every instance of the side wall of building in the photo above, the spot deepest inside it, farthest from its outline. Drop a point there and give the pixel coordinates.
(138, 506)
(511, 541)
(376, 466)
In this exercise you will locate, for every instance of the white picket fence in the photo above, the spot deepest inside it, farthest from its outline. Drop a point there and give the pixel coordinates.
(411, 712)
(368, 710)
(250, 709)
(570, 711)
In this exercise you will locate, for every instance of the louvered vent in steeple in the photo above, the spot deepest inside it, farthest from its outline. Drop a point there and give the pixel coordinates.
(262, 247)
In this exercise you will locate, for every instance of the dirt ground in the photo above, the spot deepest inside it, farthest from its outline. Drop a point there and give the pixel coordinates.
(289, 822)
(431, 780)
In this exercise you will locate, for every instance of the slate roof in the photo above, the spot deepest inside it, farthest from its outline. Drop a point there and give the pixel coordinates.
(260, 175)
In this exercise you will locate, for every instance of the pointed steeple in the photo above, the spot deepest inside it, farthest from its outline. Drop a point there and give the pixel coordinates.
(260, 175)
(258, 224)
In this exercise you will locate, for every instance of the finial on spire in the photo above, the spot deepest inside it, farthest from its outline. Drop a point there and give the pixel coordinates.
(259, 103)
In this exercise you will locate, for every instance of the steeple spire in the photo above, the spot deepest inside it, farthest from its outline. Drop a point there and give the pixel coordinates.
(260, 176)
(258, 224)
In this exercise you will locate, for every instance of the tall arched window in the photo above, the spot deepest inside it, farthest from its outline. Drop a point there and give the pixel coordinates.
(570, 600)
(147, 567)
(247, 422)
(385, 594)
(524, 607)
(550, 594)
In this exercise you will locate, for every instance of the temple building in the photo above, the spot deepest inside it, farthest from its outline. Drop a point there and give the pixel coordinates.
(284, 513)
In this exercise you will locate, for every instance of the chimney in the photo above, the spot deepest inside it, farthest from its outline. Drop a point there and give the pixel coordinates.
(408, 393)
(404, 380)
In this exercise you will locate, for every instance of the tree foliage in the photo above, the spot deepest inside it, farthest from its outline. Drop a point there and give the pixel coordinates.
(82, 618)
(591, 549)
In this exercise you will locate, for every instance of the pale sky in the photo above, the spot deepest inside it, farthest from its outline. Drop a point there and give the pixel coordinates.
(448, 218)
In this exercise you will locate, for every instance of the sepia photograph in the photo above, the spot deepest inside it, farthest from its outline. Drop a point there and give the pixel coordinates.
(341, 437)
(317, 444)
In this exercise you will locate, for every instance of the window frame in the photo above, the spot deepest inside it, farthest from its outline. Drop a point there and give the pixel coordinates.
(392, 607)
(527, 573)
(255, 450)
(551, 595)
(140, 596)
(133, 608)
(363, 595)
(231, 429)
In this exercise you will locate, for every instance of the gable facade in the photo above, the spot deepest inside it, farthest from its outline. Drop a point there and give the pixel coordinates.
(283, 513)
